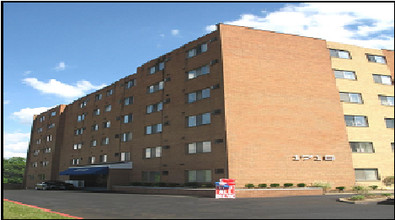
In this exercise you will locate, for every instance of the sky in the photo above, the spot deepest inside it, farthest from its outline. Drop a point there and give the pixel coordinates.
(54, 53)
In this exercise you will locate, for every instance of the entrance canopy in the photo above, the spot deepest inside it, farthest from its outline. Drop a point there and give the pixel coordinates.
(85, 171)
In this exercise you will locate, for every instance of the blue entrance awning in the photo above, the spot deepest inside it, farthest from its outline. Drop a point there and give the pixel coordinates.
(85, 171)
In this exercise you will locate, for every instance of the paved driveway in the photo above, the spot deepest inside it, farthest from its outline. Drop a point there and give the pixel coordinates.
(113, 205)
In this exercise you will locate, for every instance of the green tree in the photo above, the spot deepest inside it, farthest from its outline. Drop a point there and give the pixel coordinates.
(13, 169)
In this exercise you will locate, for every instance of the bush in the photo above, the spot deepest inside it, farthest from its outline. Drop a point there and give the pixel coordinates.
(173, 184)
(136, 183)
(147, 184)
(340, 188)
(324, 186)
(262, 185)
(249, 185)
(301, 185)
(357, 197)
(192, 184)
(388, 180)
(274, 185)
(208, 185)
(288, 184)
(374, 187)
(386, 194)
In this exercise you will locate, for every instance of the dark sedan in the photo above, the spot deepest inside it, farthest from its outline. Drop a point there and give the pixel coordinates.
(48, 185)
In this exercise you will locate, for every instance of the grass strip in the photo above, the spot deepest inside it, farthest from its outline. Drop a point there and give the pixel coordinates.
(17, 210)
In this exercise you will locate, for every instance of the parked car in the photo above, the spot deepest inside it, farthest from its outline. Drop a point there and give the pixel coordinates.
(54, 185)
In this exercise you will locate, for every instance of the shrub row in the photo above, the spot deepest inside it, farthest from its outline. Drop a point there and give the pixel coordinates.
(273, 185)
(161, 184)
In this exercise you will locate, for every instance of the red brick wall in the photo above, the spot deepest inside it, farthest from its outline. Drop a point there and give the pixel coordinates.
(389, 54)
(281, 100)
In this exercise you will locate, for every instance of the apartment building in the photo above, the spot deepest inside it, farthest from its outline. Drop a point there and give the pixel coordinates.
(252, 105)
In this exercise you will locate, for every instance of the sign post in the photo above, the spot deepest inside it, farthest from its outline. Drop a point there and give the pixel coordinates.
(225, 188)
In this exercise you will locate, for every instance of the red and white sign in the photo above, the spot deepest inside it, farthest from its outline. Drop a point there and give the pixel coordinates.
(225, 188)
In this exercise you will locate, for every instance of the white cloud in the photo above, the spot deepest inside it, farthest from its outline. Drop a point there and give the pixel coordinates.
(211, 28)
(61, 66)
(365, 24)
(25, 115)
(15, 144)
(27, 72)
(61, 89)
(175, 32)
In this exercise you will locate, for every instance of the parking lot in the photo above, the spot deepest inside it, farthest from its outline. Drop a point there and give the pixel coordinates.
(114, 205)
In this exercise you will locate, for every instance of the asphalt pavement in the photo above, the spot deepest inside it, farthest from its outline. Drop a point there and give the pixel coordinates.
(100, 205)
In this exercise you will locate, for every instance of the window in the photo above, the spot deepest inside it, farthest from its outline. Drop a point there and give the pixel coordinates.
(105, 141)
(126, 136)
(98, 97)
(201, 176)
(44, 163)
(47, 150)
(125, 156)
(91, 159)
(107, 124)
(153, 129)
(109, 92)
(128, 100)
(93, 143)
(366, 174)
(107, 108)
(39, 130)
(103, 158)
(79, 131)
(153, 152)
(77, 146)
(83, 104)
(49, 138)
(197, 50)
(362, 147)
(197, 120)
(356, 121)
(75, 161)
(36, 152)
(155, 107)
(34, 164)
(350, 97)
(81, 117)
(52, 125)
(53, 114)
(38, 141)
(198, 95)
(151, 177)
(41, 176)
(389, 122)
(199, 72)
(156, 87)
(376, 59)
(386, 100)
(95, 127)
(199, 147)
(340, 54)
(42, 118)
(157, 67)
(382, 79)
(130, 83)
(96, 111)
(127, 118)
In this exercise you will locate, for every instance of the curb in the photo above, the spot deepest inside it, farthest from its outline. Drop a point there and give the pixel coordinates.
(44, 209)
(368, 201)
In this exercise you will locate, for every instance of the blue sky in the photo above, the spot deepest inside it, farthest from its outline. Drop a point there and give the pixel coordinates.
(56, 52)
